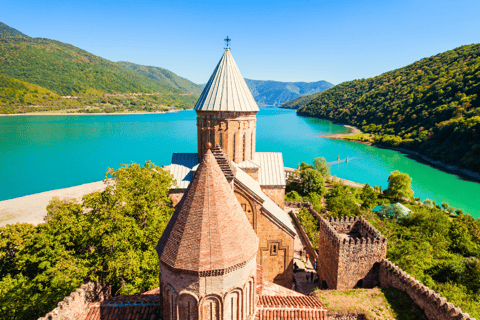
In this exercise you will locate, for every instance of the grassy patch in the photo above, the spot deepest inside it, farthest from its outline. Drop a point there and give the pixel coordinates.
(375, 303)
(360, 137)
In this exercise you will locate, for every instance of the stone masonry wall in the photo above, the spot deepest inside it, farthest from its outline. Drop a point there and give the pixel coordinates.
(328, 254)
(277, 194)
(277, 267)
(359, 256)
(235, 132)
(435, 306)
(76, 304)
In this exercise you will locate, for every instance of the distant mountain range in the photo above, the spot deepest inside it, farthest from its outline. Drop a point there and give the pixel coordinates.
(164, 76)
(274, 93)
(38, 74)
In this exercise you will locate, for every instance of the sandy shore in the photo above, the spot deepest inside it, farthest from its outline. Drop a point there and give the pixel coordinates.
(82, 113)
(32, 208)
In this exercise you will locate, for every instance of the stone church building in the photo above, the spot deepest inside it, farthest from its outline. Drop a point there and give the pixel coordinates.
(226, 118)
(227, 251)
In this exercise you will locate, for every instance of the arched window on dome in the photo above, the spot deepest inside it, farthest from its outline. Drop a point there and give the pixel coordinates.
(187, 307)
(221, 140)
(234, 303)
(248, 298)
(234, 145)
(251, 145)
(244, 146)
(169, 303)
(211, 309)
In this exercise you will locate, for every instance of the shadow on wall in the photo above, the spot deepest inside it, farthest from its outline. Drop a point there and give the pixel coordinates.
(403, 305)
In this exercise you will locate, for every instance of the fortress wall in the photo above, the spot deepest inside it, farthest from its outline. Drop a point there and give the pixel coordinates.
(310, 250)
(77, 303)
(328, 254)
(435, 306)
(359, 262)
(359, 256)
(349, 316)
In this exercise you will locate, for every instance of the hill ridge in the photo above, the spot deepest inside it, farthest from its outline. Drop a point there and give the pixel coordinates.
(431, 106)
(7, 31)
(275, 93)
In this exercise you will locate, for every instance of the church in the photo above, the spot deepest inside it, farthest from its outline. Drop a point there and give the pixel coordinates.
(226, 119)
(227, 251)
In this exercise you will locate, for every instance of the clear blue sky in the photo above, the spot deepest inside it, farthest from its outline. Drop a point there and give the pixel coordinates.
(271, 40)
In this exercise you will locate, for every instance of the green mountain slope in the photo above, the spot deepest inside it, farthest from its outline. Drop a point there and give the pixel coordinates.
(164, 76)
(431, 106)
(87, 81)
(300, 101)
(65, 69)
(15, 92)
(7, 31)
(274, 93)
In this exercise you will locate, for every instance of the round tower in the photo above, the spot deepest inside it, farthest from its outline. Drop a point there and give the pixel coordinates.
(226, 112)
(207, 252)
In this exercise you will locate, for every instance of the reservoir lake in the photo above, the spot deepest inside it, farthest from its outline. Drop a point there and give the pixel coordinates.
(42, 153)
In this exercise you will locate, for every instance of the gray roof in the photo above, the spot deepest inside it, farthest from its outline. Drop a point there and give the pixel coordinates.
(226, 90)
(271, 171)
(184, 165)
(248, 164)
(268, 203)
(182, 168)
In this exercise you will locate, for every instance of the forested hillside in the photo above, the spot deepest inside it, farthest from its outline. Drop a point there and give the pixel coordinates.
(274, 93)
(15, 92)
(300, 101)
(164, 76)
(431, 106)
(7, 31)
(69, 71)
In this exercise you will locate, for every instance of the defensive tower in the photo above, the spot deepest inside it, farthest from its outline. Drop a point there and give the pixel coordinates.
(226, 113)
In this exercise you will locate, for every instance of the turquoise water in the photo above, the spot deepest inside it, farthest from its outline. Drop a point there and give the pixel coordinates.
(41, 153)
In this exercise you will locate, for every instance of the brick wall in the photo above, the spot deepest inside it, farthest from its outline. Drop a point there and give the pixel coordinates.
(435, 306)
(182, 288)
(277, 267)
(228, 129)
(252, 172)
(76, 304)
(359, 256)
(277, 194)
(176, 196)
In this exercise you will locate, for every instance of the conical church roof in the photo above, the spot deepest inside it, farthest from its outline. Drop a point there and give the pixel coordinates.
(226, 90)
(209, 230)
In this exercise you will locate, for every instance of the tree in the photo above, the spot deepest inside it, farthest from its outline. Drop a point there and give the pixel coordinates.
(368, 196)
(293, 196)
(315, 199)
(110, 237)
(341, 202)
(311, 180)
(310, 225)
(321, 165)
(399, 185)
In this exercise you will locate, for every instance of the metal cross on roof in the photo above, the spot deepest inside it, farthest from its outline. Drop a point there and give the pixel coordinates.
(227, 40)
